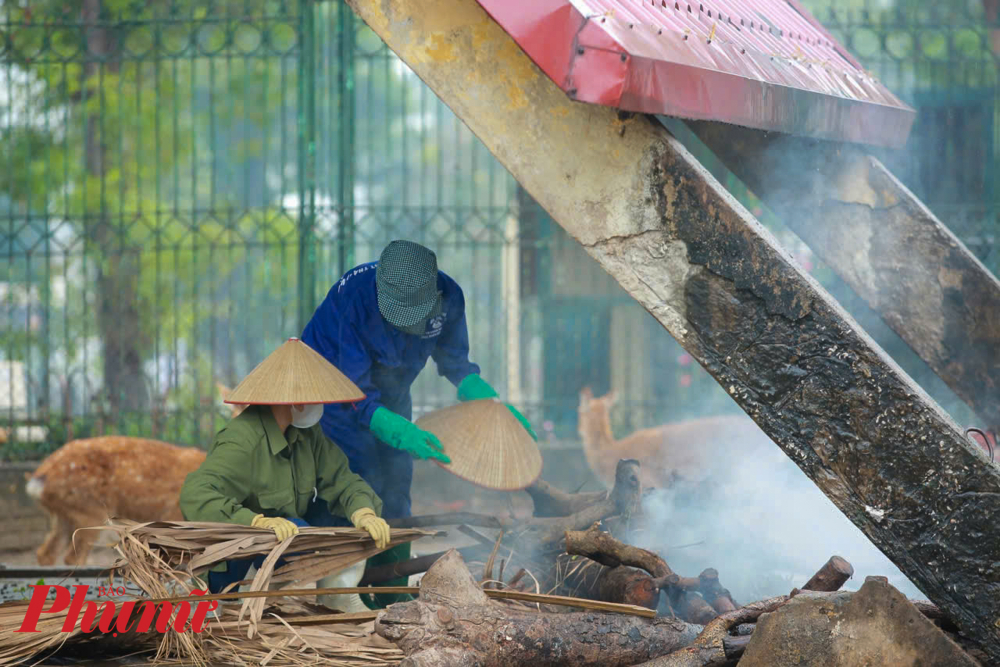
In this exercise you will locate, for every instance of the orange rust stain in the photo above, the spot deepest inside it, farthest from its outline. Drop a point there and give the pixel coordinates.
(440, 50)
(518, 70)
(480, 34)
(447, 16)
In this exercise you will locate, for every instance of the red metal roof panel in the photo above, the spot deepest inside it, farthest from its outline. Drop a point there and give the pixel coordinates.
(766, 64)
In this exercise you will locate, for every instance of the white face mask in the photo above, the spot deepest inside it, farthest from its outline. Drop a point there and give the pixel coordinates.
(308, 417)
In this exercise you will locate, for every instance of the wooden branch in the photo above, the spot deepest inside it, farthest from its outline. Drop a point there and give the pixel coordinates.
(628, 585)
(621, 583)
(675, 581)
(407, 568)
(709, 649)
(537, 598)
(694, 609)
(477, 536)
(600, 546)
(623, 500)
(603, 548)
(733, 647)
(449, 519)
(713, 592)
(453, 623)
(331, 619)
(566, 601)
(552, 502)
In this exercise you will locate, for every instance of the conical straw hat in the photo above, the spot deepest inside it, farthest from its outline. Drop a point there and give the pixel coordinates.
(486, 444)
(294, 374)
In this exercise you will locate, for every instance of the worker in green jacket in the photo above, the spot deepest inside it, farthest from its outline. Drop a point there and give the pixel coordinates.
(272, 466)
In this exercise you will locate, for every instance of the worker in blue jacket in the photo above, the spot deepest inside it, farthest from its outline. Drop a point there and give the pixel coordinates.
(379, 324)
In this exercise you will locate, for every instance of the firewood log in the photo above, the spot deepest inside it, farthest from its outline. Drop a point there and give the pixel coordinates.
(454, 623)
(715, 647)
(602, 547)
(627, 585)
(829, 578)
(550, 501)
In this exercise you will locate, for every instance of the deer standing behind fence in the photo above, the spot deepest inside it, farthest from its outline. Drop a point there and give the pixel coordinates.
(86, 481)
(693, 450)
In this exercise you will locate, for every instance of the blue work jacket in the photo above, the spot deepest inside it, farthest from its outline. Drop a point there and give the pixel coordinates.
(350, 332)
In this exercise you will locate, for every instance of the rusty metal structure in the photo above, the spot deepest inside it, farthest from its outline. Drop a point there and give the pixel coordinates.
(784, 349)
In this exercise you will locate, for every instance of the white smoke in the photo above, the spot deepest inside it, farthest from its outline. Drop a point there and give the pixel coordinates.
(766, 528)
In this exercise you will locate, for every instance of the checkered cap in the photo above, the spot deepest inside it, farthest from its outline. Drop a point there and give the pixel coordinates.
(406, 280)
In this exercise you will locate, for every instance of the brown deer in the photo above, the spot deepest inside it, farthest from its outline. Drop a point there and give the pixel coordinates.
(86, 481)
(692, 450)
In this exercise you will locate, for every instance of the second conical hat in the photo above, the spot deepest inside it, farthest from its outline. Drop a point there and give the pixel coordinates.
(295, 374)
(486, 444)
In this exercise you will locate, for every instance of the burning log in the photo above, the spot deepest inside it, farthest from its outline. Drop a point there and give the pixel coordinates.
(550, 501)
(713, 592)
(834, 574)
(627, 585)
(623, 500)
(621, 582)
(693, 608)
(534, 544)
(454, 623)
(600, 546)
(710, 648)
(589, 508)
(783, 348)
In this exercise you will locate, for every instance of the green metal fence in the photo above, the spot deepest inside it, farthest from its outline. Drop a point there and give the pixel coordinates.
(182, 182)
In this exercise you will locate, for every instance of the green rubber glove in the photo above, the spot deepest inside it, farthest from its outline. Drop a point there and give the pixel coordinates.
(400, 433)
(473, 388)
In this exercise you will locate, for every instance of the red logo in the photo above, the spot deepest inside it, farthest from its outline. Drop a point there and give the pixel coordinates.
(91, 608)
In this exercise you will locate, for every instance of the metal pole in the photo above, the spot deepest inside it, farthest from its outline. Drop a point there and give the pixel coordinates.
(307, 164)
(346, 24)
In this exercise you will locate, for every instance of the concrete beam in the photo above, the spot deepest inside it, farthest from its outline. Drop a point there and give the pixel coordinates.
(672, 236)
(884, 243)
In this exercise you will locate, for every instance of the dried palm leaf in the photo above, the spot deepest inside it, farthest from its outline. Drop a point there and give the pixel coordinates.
(157, 554)
(166, 551)
(279, 643)
(282, 640)
(23, 647)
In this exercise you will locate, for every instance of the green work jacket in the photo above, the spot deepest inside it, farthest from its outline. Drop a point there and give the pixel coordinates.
(253, 468)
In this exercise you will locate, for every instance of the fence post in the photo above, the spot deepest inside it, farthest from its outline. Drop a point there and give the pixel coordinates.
(346, 24)
(307, 163)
